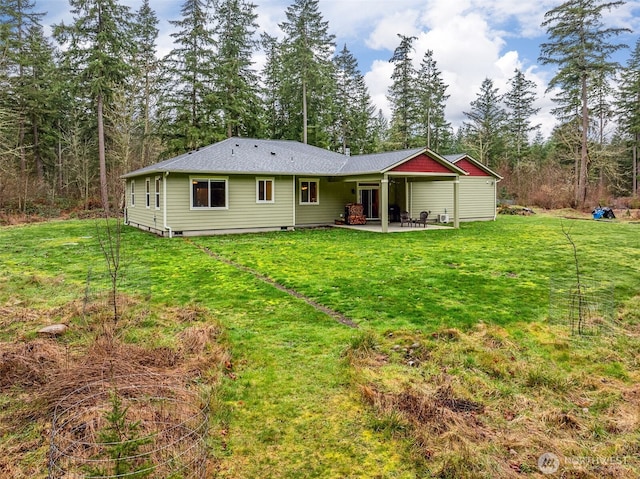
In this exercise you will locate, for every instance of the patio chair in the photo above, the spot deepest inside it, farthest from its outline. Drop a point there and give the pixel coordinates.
(405, 218)
(423, 218)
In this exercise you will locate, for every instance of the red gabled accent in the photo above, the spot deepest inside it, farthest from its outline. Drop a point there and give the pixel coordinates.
(470, 168)
(422, 164)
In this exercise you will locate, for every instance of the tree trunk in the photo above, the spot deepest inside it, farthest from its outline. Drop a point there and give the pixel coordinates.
(59, 154)
(581, 193)
(145, 137)
(104, 187)
(36, 152)
(634, 185)
(304, 112)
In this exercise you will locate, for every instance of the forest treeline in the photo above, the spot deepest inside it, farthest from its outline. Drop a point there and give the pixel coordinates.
(94, 100)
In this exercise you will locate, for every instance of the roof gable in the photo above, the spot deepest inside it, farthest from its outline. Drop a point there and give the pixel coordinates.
(422, 163)
(470, 168)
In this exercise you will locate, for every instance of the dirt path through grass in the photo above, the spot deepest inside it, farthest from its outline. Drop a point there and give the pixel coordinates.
(341, 318)
(290, 407)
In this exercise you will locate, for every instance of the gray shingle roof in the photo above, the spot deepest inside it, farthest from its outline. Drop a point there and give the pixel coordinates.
(454, 158)
(377, 162)
(275, 157)
(244, 155)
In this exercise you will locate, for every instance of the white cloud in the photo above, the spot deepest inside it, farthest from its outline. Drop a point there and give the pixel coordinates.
(385, 34)
(466, 51)
(378, 80)
(471, 39)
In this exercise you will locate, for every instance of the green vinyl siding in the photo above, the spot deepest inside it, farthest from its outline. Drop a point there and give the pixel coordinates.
(242, 211)
(331, 200)
(139, 214)
(433, 196)
(477, 198)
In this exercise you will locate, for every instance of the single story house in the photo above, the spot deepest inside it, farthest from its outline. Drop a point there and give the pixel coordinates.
(243, 183)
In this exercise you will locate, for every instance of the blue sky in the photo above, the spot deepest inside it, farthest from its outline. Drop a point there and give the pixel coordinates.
(471, 39)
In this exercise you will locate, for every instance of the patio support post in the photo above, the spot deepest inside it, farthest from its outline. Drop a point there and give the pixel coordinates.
(385, 203)
(456, 202)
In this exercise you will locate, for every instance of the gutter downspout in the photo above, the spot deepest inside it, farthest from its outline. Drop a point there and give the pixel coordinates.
(127, 185)
(164, 204)
(456, 202)
(495, 198)
(293, 191)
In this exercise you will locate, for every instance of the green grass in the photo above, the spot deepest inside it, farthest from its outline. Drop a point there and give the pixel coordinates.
(293, 407)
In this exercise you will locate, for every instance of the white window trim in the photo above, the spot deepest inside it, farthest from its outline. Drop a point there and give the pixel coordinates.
(147, 191)
(132, 192)
(156, 196)
(209, 179)
(273, 190)
(307, 203)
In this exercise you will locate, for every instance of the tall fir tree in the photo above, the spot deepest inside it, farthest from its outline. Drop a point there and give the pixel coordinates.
(40, 89)
(236, 82)
(18, 18)
(431, 103)
(579, 45)
(354, 111)
(146, 82)
(274, 117)
(628, 108)
(379, 133)
(188, 111)
(308, 84)
(402, 94)
(486, 124)
(99, 42)
(520, 102)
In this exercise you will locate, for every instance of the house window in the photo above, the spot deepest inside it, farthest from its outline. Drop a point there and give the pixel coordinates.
(309, 192)
(148, 192)
(264, 190)
(157, 192)
(133, 192)
(209, 193)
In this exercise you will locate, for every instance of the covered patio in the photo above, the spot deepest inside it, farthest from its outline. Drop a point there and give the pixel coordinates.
(376, 227)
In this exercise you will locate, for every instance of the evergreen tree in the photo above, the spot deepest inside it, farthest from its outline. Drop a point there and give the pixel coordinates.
(353, 109)
(39, 90)
(272, 90)
(602, 156)
(18, 17)
(520, 100)
(402, 93)
(628, 107)
(431, 103)
(236, 81)
(147, 80)
(379, 133)
(487, 123)
(188, 112)
(308, 80)
(579, 46)
(99, 43)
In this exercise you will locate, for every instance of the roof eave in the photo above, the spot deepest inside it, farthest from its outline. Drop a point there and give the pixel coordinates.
(439, 159)
(484, 168)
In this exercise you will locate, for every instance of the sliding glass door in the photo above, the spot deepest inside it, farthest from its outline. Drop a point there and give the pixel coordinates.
(369, 196)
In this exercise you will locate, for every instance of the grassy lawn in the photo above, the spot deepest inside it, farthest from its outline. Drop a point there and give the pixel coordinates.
(451, 318)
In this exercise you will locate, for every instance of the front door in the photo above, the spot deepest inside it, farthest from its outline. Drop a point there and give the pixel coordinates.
(369, 196)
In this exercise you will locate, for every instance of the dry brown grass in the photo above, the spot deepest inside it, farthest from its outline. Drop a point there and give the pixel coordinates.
(482, 405)
(38, 374)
